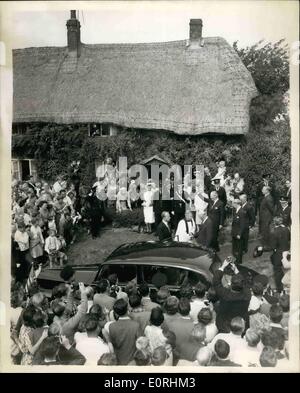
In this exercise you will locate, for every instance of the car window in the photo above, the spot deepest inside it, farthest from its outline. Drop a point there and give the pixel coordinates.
(161, 275)
(125, 273)
(193, 278)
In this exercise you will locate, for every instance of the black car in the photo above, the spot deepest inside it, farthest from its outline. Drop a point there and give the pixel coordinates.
(168, 263)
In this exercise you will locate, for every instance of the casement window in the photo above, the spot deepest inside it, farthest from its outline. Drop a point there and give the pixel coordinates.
(22, 169)
(102, 129)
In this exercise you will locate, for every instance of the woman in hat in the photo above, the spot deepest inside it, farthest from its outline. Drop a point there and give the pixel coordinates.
(148, 206)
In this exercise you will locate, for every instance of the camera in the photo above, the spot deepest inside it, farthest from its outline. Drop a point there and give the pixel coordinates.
(75, 286)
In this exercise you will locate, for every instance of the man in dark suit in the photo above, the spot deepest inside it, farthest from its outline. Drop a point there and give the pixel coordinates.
(249, 215)
(266, 182)
(123, 333)
(284, 211)
(205, 235)
(163, 230)
(182, 327)
(220, 190)
(266, 213)
(280, 242)
(216, 213)
(237, 230)
(234, 301)
(207, 181)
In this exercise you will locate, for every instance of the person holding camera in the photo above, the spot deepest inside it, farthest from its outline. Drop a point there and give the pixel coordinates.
(234, 298)
(63, 313)
(102, 297)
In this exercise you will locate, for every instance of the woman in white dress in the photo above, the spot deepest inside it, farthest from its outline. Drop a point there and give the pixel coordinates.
(36, 240)
(148, 207)
(221, 173)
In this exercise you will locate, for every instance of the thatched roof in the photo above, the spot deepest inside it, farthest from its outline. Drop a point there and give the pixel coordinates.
(167, 86)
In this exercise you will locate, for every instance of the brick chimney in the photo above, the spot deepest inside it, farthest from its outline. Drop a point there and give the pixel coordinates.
(73, 27)
(196, 32)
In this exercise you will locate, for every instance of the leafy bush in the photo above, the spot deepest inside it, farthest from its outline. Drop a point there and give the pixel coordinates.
(128, 218)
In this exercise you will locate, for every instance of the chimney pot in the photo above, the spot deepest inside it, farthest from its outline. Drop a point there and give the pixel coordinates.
(196, 30)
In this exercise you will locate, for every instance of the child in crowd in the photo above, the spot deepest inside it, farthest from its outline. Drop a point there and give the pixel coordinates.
(52, 247)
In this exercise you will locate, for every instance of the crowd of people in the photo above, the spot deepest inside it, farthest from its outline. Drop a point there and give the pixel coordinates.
(218, 325)
(230, 323)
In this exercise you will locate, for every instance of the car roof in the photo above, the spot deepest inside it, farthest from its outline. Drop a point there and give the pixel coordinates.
(172, 253)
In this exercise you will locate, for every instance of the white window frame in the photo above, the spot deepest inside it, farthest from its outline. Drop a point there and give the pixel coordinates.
(112, 130)
(32, 170)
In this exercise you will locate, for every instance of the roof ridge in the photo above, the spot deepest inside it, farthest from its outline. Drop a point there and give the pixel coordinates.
(208, 40)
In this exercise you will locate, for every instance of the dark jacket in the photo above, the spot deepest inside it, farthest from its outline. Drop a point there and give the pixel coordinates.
(260, 196)
(207, 184)
(280, 239)
(221, 194)
(286, 215)
(267, 209)
(163, 232)
(205, 235)
(232, 303)
(182, 327)
(216, 212)
(223, 363)
(238, 223)
(65, 357)
(249, 213)
(123, 334)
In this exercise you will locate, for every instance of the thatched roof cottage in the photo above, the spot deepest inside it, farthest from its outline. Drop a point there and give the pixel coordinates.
(189, 87)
